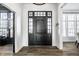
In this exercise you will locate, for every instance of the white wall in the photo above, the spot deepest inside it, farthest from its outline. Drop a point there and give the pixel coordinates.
(69, 39)
(17, 8)
(31, 7)
(60, 40)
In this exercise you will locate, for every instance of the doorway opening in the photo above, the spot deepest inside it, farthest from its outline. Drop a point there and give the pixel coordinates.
(70, 28)
(40, 28)
(7, 31)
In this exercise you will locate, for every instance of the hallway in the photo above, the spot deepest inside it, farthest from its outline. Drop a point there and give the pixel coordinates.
(69, 50)
(39, 29)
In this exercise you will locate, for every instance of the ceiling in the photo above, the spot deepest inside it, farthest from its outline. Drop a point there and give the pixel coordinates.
(71, 6)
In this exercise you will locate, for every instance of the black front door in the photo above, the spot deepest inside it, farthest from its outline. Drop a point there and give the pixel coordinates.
(38, 30)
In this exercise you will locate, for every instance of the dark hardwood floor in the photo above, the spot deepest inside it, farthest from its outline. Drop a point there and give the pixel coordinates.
(68, 50)
(6, 50)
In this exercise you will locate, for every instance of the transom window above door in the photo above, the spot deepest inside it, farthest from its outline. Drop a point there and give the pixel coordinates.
(40, 13)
